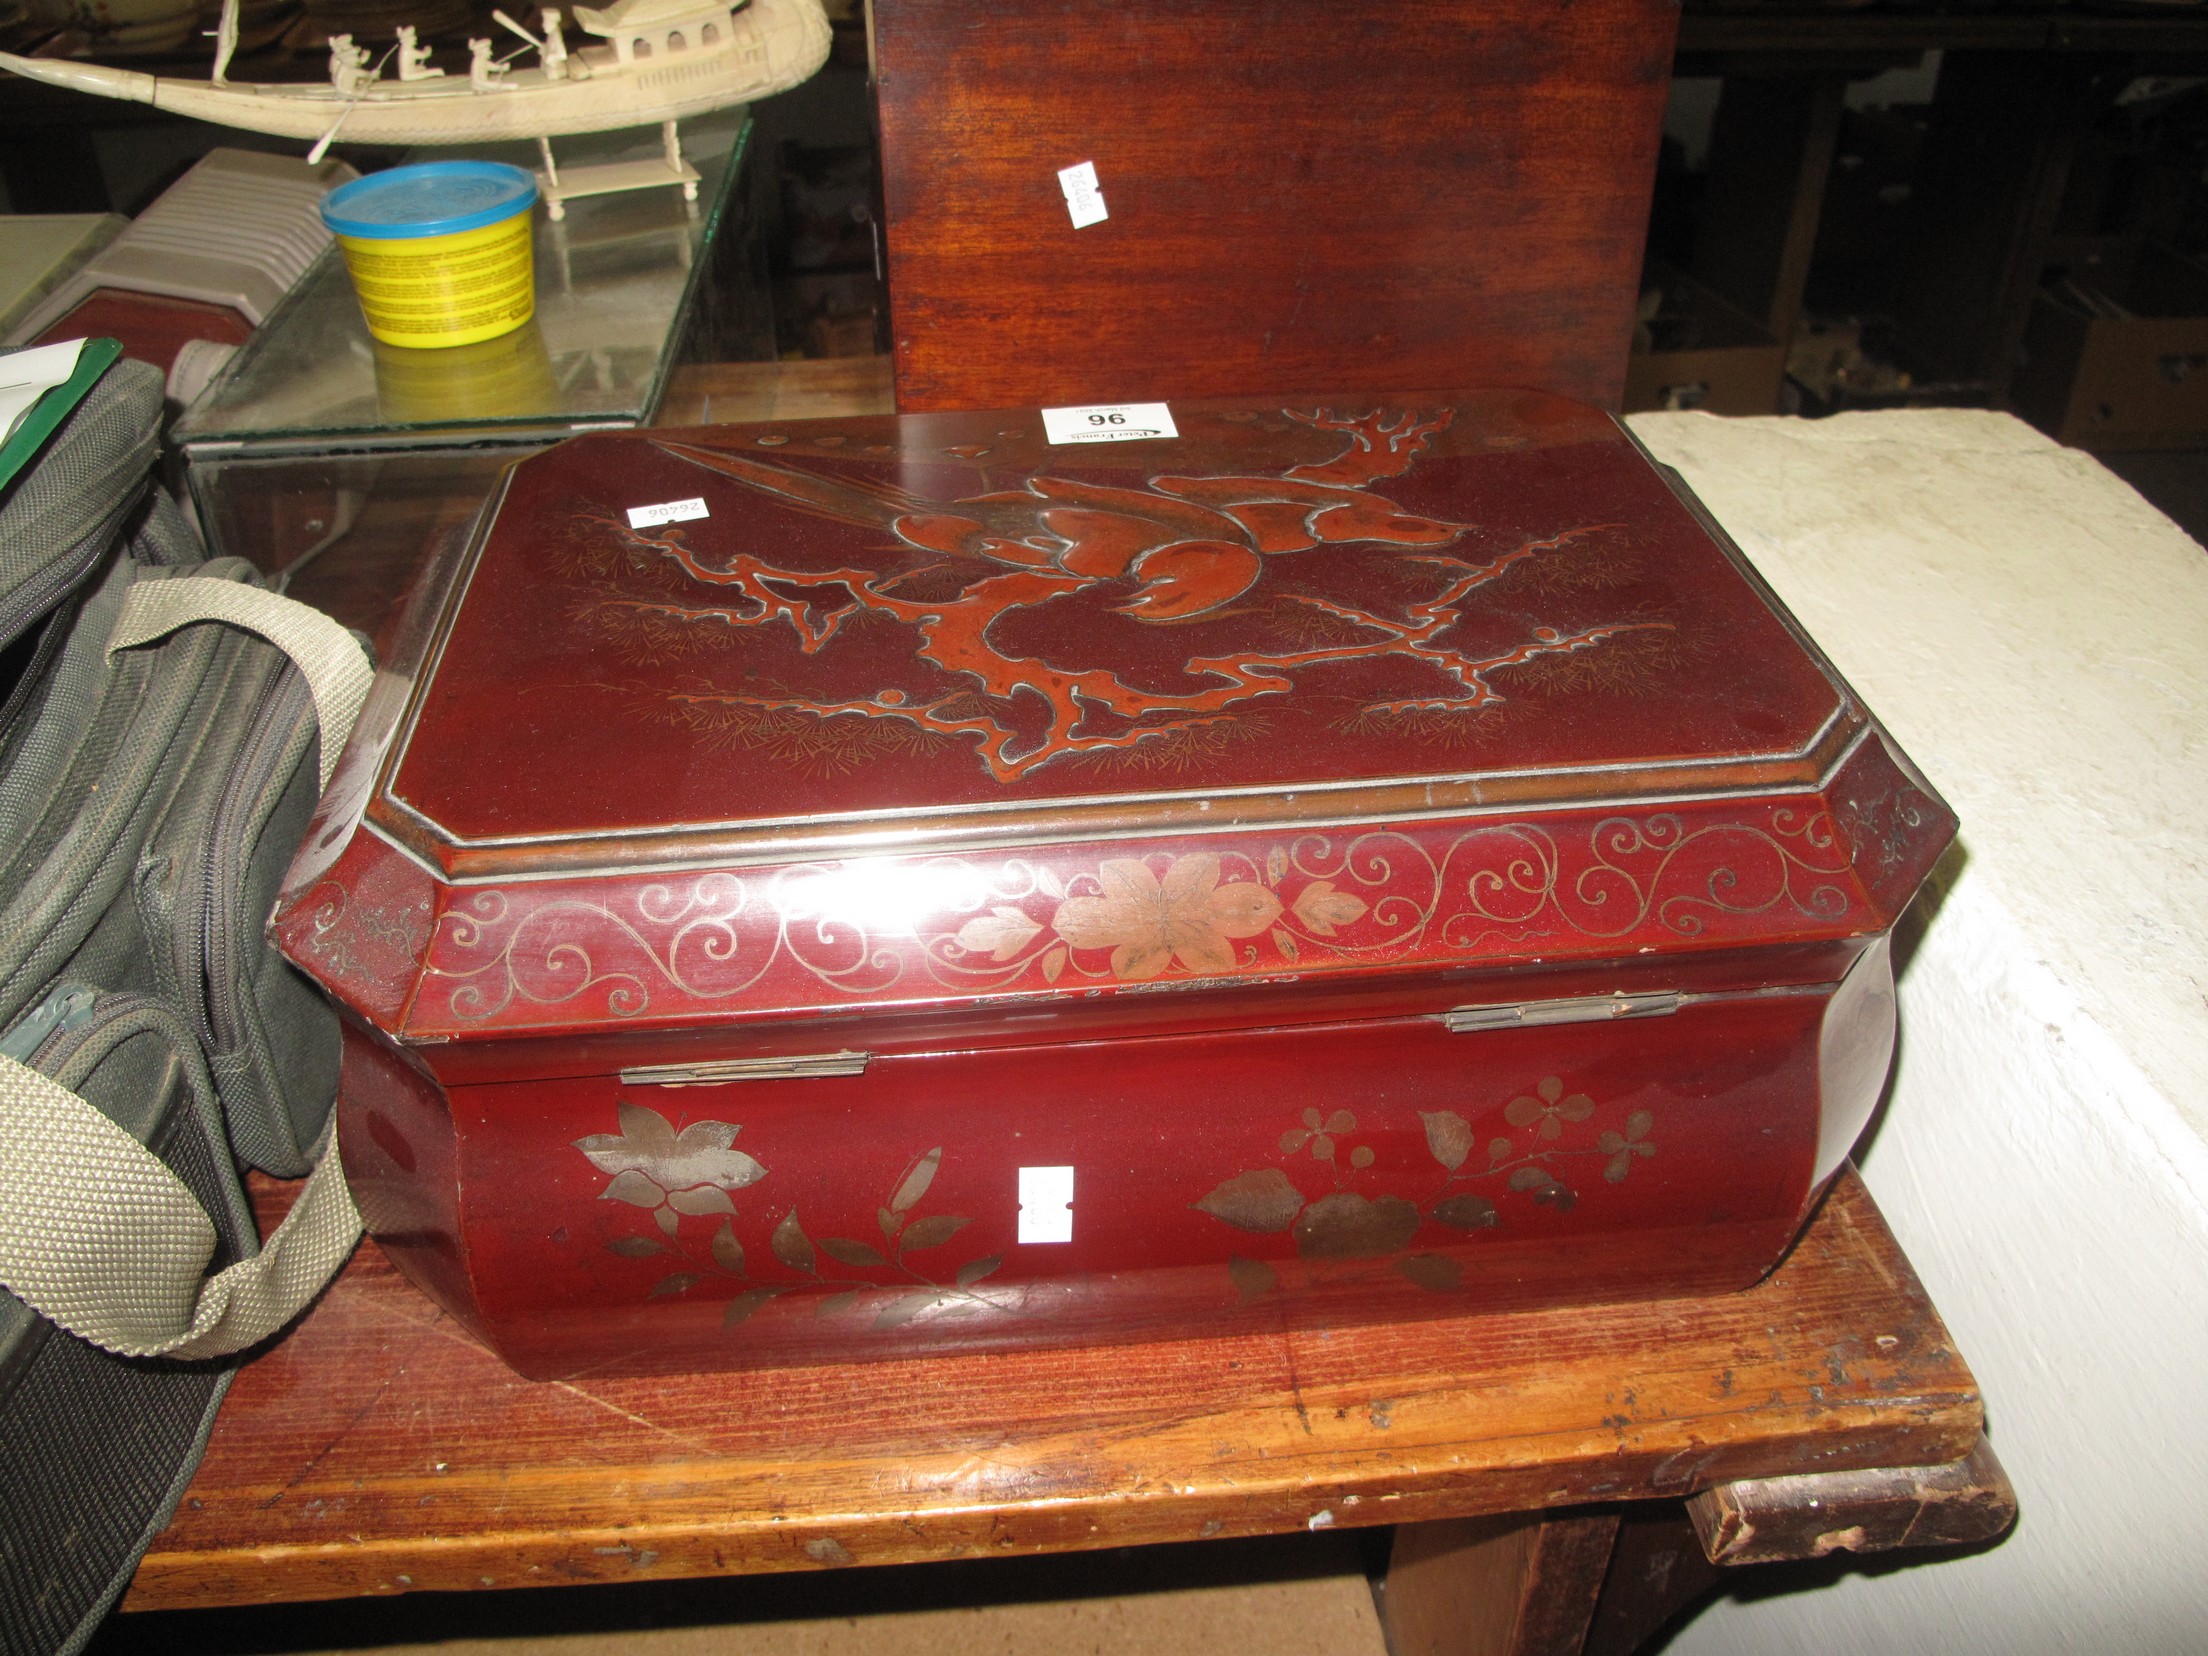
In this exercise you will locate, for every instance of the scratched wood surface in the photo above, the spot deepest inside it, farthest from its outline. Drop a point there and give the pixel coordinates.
(378, 1450)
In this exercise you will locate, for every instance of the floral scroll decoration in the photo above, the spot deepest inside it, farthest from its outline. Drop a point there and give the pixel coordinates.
(1211, 914)
(1533, 1164)
(1231, 908)
(1191, 919)
(694, 1173)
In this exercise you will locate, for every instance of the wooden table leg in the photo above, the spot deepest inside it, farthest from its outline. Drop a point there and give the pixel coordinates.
(1657, 1569)
(1518, 1585)
(1598, 1583)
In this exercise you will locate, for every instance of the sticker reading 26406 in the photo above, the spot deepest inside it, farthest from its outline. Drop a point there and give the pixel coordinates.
(668, 511)
(1109, 423)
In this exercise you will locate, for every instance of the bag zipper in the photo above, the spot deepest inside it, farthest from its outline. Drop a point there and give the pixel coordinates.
(67, 1006)
(223, 871)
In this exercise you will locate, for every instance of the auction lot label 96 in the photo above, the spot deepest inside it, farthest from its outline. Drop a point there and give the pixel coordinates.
(1109, 423)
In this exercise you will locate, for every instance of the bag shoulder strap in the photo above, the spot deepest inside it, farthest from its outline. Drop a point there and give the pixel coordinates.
(335, 665)
(99, 1236)
(96, 1233)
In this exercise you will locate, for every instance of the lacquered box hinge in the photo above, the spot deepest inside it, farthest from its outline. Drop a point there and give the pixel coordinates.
(1464, 1020)
(797, 1068)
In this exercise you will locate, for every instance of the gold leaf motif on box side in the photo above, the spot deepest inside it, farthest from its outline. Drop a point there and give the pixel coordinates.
(634, 1188)
(916, 1182)
(645, 1130)
(728, 1253)
(1000, 934)
(648, 1145)
(1252, 1278)
(1188, 918)
(1448, 1136)
(744, 1304)
(934, 1231)
(1466, 1212)
(844, 1251)
(1345, 1225)
(975, 1269)
(1263, 1200)
(704, 1199)
(1326, 909)
(908, 1306)
(790, 1243)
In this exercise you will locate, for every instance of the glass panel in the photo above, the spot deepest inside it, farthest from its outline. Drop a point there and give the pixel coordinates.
(352, 534)
(616, 281)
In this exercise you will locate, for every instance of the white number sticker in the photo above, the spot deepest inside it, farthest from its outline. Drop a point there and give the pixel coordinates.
(1109, 423)
(1046, 1204)
(1084, 200)
(667, 511)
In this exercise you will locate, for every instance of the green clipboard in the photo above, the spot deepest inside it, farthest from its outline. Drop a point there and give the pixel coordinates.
(54, 407)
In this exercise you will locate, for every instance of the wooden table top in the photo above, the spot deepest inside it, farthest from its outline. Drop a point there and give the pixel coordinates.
(378, 1449)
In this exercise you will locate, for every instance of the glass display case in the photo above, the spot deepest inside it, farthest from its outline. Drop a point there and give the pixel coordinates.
(317, 435)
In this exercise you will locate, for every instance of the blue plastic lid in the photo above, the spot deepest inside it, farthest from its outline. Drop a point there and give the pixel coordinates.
(437, 198)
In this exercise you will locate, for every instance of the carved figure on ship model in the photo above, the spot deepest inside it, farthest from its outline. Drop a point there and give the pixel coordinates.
(349, 71)
(414, 64)
(553, 53)
(484, 73)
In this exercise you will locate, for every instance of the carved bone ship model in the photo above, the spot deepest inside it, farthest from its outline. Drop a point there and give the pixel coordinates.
(661, 61)
(858, 887)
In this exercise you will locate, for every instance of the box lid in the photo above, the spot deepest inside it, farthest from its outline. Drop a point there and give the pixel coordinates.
(754, 722)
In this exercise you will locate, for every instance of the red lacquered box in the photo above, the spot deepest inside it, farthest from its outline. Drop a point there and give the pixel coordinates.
(854, 887)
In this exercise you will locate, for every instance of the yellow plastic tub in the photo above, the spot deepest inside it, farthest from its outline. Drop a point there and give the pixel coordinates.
(441, 254)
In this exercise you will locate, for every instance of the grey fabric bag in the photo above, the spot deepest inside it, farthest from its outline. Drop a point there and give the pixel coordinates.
(156, 774)
(203, 889)
(95, 1449)
(209, 872)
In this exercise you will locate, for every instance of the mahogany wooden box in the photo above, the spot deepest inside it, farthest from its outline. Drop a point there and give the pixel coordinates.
(1396, 856)
(1368, 196)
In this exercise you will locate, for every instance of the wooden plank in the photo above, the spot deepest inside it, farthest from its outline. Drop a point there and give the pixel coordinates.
(1809, 1515)
(1656, 1571)
(1506, 1586)
(1399, 193)
(377, 1449)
